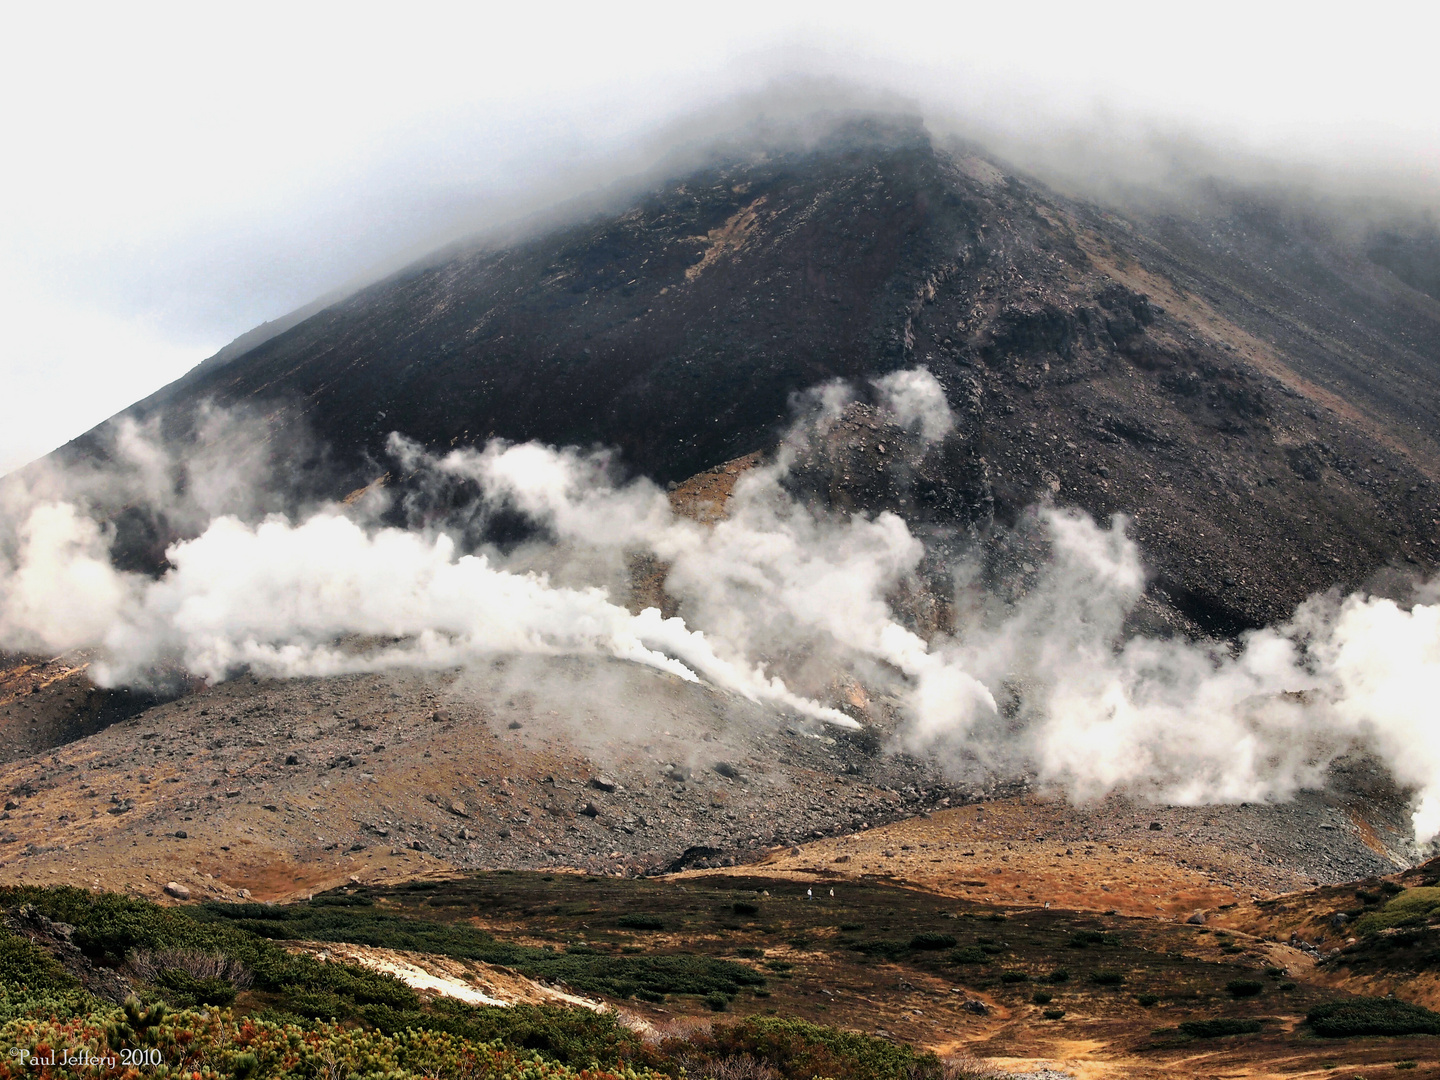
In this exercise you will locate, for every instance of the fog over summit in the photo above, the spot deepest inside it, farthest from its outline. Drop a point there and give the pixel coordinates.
(186, 176)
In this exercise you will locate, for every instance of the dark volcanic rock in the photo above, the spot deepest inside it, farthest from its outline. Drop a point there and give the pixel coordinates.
(1259, 395)
(57, 939)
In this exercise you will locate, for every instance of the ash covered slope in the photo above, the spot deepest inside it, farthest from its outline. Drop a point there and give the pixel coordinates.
(1257, 414)
(675, 331)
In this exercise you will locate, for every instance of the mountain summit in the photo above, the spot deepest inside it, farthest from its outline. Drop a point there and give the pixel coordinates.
(1254, 386)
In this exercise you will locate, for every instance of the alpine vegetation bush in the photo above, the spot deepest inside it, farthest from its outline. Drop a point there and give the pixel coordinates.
(1218, 1027)
(1372, 1016)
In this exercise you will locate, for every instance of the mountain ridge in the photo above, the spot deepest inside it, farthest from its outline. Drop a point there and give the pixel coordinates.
(1159, 366)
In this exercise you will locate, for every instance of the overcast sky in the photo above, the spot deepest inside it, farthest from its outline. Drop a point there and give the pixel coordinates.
(175, 175)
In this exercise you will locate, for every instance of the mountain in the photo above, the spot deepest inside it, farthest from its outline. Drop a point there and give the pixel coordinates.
(1255, 383)
(1248, 376)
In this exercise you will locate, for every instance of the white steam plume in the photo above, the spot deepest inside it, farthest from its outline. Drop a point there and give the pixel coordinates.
(278, 597)
(1195, 722)
(777, 598)
(916, 400)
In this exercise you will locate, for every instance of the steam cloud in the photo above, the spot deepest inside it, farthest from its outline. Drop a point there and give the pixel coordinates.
(777, 598)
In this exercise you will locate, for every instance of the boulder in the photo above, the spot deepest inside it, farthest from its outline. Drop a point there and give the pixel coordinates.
(178, 891)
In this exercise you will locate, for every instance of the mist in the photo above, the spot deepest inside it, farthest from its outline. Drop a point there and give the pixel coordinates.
(311, 154)
(790, 607)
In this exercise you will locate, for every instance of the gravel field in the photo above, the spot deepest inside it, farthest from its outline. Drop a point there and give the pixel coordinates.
(281, 787)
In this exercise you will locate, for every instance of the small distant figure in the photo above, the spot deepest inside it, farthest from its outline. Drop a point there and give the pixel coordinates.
(809, 894)
(832, 892)
(1047, 904)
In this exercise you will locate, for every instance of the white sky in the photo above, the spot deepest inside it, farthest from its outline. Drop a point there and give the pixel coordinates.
(175, 174)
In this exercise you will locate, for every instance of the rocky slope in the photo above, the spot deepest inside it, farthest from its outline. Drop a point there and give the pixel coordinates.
(1245, 378)
(284, 787)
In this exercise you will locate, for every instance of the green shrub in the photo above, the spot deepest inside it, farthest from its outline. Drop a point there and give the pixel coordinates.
(1059, 975)
(1106, 977)
(1372, 1016)
(931, 940)
(182, 988)
(1083, 939)
(586, 969)
(1219, 1027)
(799, 1050)
(889, 950)
(1053, 1014)
(110, 927)
(1244, 987)
(1410, 904)
(745, 907)
(573, 1036)
(214, 1044)
(318, 1005)
(1148, 1000)
(640, 922)
(1042, 997)
(383, 1029)
(25, 965)
(969, 954)
(1014, 977)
